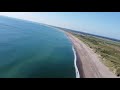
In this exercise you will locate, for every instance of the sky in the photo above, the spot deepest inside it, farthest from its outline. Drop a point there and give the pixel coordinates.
(99, 23)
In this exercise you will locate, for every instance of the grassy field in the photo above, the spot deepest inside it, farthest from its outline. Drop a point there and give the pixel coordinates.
(108, 50)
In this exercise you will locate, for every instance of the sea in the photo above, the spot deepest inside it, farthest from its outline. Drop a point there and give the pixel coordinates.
(34, 50)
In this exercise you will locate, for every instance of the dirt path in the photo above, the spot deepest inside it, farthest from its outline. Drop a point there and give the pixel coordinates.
(88, 62)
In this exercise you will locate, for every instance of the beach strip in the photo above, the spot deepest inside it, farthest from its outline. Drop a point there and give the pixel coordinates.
(88, 62)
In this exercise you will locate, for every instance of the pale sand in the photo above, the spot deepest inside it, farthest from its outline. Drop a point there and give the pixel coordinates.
(88, 62)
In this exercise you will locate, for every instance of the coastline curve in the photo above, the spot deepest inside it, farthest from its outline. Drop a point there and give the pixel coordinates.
(75, 64)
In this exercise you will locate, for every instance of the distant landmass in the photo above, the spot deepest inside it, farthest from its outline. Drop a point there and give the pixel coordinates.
(88, 34)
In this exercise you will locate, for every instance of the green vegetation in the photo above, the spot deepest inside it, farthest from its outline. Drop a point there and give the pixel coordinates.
(108, 50)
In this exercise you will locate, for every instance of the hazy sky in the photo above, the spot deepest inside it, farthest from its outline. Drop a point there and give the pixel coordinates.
(100, 23)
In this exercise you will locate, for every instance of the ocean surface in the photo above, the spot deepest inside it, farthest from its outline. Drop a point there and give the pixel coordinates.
(33, 50)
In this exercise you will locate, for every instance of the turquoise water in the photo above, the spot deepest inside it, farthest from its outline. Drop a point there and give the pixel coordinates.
(32, 50)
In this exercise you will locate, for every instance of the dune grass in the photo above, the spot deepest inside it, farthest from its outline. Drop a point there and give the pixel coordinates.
(108, 50)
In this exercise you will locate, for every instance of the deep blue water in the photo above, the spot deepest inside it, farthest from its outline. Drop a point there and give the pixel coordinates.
(33, 50)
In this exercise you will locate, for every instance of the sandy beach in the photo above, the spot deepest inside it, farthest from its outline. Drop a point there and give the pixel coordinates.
(88, 62)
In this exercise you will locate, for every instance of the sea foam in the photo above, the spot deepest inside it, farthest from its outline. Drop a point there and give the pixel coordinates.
(75, 59)
(75, 63)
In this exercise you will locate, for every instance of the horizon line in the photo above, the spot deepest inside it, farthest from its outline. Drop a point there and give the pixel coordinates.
(59, 27)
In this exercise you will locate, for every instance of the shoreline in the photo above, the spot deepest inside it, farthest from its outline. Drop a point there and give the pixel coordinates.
(75, 63)
(78, 75)
(77, 69)
(88, 63)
